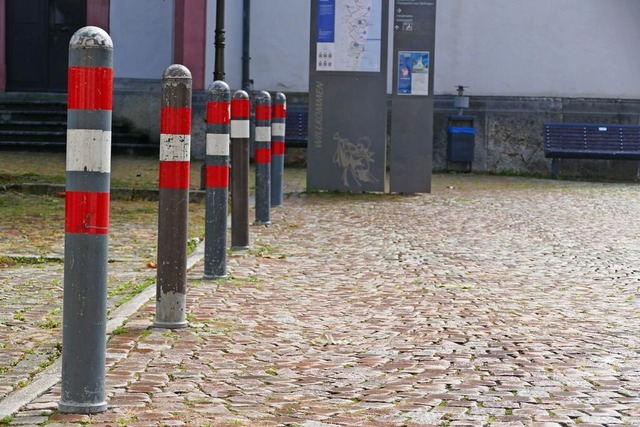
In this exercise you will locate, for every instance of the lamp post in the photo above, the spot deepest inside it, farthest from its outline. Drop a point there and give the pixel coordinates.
(218, 72)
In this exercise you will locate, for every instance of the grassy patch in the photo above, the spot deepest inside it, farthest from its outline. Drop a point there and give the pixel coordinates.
(271, 371)
(50, 324)
(119, 331)
(130, 289)
(145, 333)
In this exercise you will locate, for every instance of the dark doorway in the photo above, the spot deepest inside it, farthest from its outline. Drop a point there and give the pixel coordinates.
(38, 34)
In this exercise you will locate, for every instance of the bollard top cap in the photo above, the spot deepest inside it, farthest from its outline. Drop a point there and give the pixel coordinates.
(219, 91)
(91, 38)
(279, 98)
(176, 71)
(263, 97)
(240, 94)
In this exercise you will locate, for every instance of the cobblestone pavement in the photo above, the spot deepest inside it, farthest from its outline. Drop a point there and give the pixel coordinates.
(493, 301)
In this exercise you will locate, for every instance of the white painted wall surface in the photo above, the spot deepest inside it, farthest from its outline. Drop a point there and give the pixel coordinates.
(142, 34)
(280, 44)
(279, 47)
(573, 48)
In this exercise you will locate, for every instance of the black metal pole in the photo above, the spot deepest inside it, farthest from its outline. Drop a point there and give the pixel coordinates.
(218, 73)
(246, 34)
(218, 70)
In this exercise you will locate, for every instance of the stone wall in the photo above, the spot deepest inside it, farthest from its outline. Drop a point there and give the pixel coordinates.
(509, 130)
(509, 134)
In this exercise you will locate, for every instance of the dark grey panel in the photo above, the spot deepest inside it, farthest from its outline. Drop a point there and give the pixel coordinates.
(411, 145)
(412, 99)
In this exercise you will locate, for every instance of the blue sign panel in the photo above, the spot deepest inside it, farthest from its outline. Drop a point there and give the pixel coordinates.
(326, 21)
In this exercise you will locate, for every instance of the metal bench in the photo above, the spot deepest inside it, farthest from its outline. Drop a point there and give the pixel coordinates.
(296, 128)
(590, 141)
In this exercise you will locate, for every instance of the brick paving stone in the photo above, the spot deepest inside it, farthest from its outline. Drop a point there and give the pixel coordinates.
(603, 420)
(467, 423)
(71, 418)
(493, 300)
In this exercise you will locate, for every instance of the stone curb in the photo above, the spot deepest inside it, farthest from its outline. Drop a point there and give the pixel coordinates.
(131, 194)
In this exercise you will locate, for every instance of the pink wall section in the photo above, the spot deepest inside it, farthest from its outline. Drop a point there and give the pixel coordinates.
(189, 38)
(98, 13)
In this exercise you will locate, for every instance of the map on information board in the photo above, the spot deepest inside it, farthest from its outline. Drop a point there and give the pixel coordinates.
(349, 35)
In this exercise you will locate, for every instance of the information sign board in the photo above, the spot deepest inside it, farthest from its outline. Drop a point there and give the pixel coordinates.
(346, 150)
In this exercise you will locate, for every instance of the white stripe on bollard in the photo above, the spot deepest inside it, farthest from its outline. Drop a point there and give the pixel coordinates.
(175, 147)
(263, 133)
(89, 150)
(217, 144)
(240, 128)
(277, 129)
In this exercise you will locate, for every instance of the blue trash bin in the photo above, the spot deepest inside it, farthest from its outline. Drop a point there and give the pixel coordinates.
(461, 138)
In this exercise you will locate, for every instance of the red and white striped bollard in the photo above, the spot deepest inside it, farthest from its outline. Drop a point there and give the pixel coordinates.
(240, 132)
(88, 181)
(263, 157)
(278, 121)
(173, 206)
(217, 180)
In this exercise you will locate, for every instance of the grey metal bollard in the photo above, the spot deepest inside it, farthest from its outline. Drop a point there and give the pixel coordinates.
(217, 180)
(173, 206)
(88, 176)
(263, 157)
(278, 121)
(240, 132)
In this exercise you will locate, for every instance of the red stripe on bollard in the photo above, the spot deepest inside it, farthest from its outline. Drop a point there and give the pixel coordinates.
(263, 112)
(174, 174)
(175, 120)
(86, 212)
(90, 88)
(217, 176)
(240, 108)
(218, 113)
(277, 148)
(279, 111)
(263, 155)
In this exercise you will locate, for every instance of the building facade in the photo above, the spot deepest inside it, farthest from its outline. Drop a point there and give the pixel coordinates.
(524, 62)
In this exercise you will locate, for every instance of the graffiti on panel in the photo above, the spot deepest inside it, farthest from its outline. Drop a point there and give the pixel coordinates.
(355, 159)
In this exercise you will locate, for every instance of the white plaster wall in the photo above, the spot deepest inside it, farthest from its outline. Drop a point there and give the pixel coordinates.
(573, 48)
(280, 45)
(279, 48)
(142, 34)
